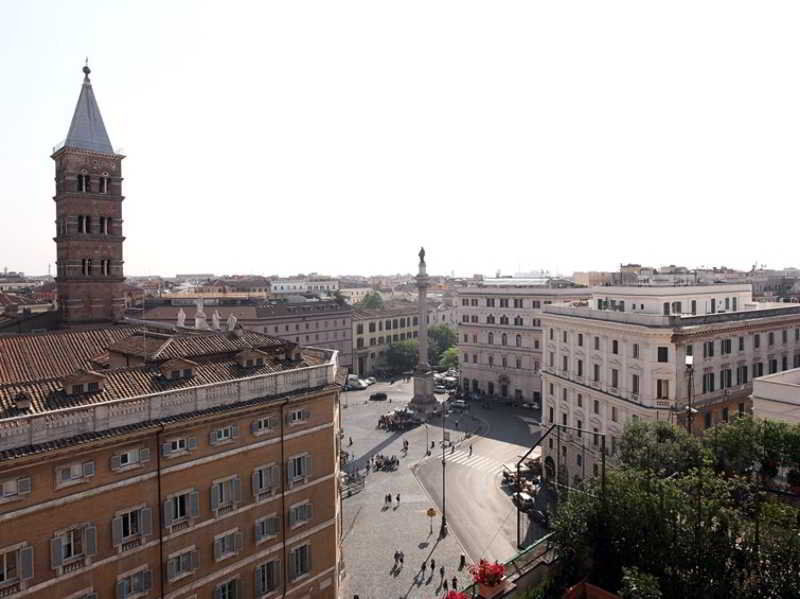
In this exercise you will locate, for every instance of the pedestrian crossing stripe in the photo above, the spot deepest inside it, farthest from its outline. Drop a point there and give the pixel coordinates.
(478, 462)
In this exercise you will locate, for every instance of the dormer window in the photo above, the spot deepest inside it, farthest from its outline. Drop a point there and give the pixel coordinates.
(177, 369)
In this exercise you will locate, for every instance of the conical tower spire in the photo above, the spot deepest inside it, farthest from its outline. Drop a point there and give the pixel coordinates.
(87, 131)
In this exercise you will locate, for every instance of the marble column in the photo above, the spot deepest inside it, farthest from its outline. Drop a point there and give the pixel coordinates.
(424, 402)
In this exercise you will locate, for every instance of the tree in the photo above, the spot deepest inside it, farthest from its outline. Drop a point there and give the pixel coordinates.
(401, 356)
(449, 358)
(661, 448)
(440, 338)
(639, 585)
(371, 301)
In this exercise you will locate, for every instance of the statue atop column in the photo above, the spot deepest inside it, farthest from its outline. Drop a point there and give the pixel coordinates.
(422, 256)
(424, 402)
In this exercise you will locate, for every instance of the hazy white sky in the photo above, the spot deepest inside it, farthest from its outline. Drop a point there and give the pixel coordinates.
(334, 136)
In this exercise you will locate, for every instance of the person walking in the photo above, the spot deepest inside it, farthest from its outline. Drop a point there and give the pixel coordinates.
(441, 571)
(444, 585)
(424, 568)
(351, 440)
(433, 566)
(455, 583)
(470, 451)
(398, 500)
(396, 557)
(401, 559)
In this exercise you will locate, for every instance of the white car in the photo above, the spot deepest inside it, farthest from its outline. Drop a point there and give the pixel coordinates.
(370, 380)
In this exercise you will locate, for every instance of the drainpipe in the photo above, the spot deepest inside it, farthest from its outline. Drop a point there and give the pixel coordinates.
(284, 476)
(160, 510)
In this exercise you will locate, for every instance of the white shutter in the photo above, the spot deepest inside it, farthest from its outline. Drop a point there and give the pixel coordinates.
(168, 512)
(144, 455)
(172, 568)
(24, 485)
(116, 531)
(90, 539)
(165, 449)
(192, 443)
(236, 490)
(234, 430)
(56, 552)
(255, 481)
(146, 517)
(116, 462)
(194, 503)
(88, 469)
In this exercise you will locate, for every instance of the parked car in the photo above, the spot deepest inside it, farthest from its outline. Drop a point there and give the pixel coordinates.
(459, 404)
(346, 388)
(531, 405)
(379, 396)
(523, 501)
(439, 389)
(370, 380)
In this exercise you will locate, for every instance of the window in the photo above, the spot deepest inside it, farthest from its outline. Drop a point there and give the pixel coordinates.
(579, 425)
(564, 394)
(615, 348)
(490, 339)
(536, 304)
(504, 339)
(299, 514)
(725, 378)
(771, 338)
(134, 585)
(564, 362)
(580, 339)
(268, 577)
(267, 528)
(130, 525)
(614, 378)
(16, 564)
(741, 343)
(228, 544)
(491, 360)
(635, 384)
(551, 415)
(758, 369)
(226, 493)
(504, 362)
(519, 363)
(773, 366)
(182, 564)
(72, 545)
(74, 473)
(265, 480)
(298, 416)
(130, 458)
(504, 319)
(636, 351)
(596, 406)
(178, 446)
(595, 436)
(14, 488)
(725, 347)
(662, 389)
(299, 561)
(551, 334)
(741, 375)
(299, 469)
(564, 337)
(708, 382)
(490, 302)
(224, 434)
(597, 343)
(181, 507)
(564, 419)
(707, 420)
(756, 341)
(264, 425)
(725, 414)
(596, 373)
(518, 341)
(580, 367)
(663, 354)
(613, 413)
(708, 349)
(580, 400)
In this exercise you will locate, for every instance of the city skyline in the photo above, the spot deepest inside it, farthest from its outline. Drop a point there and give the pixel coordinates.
(547, 128)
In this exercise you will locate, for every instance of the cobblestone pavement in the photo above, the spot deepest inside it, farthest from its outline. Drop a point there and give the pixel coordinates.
(373, 531)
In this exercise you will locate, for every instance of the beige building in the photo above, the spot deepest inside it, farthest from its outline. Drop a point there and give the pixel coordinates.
(591, 278)
(777, 396)
(624, 356)
(155, 463)
(500, 337)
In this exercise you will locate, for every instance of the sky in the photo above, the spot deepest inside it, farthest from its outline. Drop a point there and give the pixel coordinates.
(338, 136)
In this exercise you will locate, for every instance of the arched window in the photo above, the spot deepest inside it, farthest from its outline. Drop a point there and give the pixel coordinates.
(504, 339)
(490, 319)
(505, 362)
(504, 319)
(491, 360)
(518, 321)
(491, 338)
(519, 340)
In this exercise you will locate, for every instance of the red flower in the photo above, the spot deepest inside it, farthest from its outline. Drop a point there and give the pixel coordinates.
(485, 573)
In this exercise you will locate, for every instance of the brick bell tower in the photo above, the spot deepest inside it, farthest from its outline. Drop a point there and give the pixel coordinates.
(89, 277)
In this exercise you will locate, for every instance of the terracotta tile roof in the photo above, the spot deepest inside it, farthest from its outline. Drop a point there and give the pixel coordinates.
(54, 354)
(130, 382)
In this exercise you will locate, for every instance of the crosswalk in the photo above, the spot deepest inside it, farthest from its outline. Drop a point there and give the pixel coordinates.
(485, 464)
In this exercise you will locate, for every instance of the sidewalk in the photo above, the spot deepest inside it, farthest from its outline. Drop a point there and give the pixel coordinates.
(372, 532)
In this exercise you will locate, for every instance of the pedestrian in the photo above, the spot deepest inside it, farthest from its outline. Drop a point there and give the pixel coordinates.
(433, 566)
(470, 451)
(444, 584)
(351, 440)
(398, 499)
(463, 561)
(424, 568)
(455, 582)
(402, 557)
(441, 571)
(396, 557)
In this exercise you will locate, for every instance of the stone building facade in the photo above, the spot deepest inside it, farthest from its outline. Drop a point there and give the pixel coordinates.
(605, 364)
(144, 463)
(500, 337)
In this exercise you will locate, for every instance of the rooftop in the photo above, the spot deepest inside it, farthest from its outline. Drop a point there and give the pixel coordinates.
(87, 131)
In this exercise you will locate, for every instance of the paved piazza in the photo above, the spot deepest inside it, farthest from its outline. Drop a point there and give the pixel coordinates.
(481, 517)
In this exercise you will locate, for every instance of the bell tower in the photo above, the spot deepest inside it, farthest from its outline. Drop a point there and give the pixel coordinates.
(89, 277)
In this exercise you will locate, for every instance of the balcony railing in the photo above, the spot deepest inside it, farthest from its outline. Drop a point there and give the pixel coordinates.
(50, 426)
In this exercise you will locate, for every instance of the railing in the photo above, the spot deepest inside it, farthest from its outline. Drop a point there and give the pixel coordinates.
(522, 563)
(34, 429)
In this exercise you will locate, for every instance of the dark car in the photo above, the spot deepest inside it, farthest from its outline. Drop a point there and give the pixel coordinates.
(379, 396)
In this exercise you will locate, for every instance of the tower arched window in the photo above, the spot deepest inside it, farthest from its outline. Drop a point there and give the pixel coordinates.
(84, 182)
(504, 339)
(105, 183)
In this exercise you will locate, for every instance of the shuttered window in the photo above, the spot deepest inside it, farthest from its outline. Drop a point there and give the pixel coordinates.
(131, 525)
(228, 544)
(14, 488)
(134, 585)
(16, 564)
(226, 493)
(223, 434)
(130, 458)
(264, 481)
(267, 528)
(268, 577)
(299, 561)
(299, 469)
(72, 545)
(299, 514)
(74, 473)
(181, 507)
(182, 564)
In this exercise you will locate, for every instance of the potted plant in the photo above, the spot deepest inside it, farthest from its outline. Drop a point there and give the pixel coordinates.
(488, 577)
(455, 595)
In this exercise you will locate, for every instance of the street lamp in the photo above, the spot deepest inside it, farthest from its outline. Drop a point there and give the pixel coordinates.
(690, 411)
(443, 530)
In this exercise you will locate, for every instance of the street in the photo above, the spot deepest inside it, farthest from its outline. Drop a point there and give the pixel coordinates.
(480, 514)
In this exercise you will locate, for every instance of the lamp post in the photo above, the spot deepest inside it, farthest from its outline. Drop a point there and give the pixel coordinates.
(443, 530)
(690, 408)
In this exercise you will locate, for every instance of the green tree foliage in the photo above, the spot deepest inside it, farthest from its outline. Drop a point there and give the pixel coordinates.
(449, 358)
(371, 301)
(440, 338)
(401, 356)
(678, 517)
